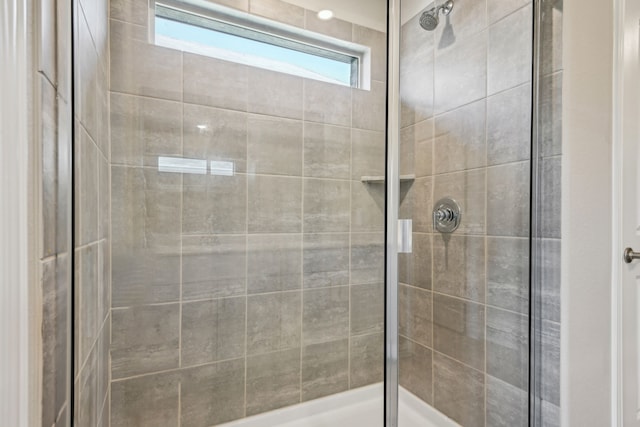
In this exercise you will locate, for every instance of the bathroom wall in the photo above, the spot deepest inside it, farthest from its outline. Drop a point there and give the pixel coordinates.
(52, 124)
(92, 212)
(466, 133)
(236, 295)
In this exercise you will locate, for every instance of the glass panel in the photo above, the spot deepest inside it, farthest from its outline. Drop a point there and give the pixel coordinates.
(465, 84)
(229, 255)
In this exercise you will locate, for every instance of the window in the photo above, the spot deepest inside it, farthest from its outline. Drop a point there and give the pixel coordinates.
(239, 37)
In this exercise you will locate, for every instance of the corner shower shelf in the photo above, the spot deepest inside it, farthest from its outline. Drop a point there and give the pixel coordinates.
(380, 179)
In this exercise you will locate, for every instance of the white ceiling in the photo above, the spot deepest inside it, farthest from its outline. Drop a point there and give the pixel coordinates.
(368, 13)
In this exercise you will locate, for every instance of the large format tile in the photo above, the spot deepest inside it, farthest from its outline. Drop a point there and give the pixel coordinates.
(458, 330)
(509, 126)
(551, 197)
(367, 258)
(146, 236)
(460, 141)
(550, 118)
(366, 360)
(325, 314)
(132, 11)
(469, 190)
(273, 322)
(508, 273)
(367, 206)
(148, 401)
(416, 313)
(273, 381)
(226, 83)
(550, 279)
(326, 205)
(274, 263)
(416, 373)
(86, 188)
(145, 339)
(498, 9)
(367, 154)
(368, 107)
(86, 405)
(506, 405)
(275, 204)
(423, 200)
(327, 151)
(275, 94)
(377, 41)
(469, 19)
(274, 146)
(140, 68)
(415, 268)
(212, 330)
(460, 74)
(86, 77)
(327, 103)
(550, 361)
(325, 260)
(143, 129)
(212, 394)
(213, 266)
(508, 202)
(459, 266)
(367, 308)
(458, 391)
(325, 369)
(417, 84)
(510, 51)
(333, 27)
(279, 11)
(508, 347)
(49, 164)
(88, 290)
(215, 134)
(214, 204)
(422, 135)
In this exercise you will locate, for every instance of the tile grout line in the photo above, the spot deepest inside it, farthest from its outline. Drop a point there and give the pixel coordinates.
(246, 257)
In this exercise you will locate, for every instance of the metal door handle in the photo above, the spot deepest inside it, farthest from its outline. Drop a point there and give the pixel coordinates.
(630, 255)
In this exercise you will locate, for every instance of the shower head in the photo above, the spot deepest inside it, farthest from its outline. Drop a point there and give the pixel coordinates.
(429, 20)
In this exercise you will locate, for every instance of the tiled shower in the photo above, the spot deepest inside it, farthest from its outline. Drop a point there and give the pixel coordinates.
(204, 298)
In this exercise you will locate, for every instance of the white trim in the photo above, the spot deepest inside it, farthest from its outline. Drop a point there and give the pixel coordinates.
(15, 168)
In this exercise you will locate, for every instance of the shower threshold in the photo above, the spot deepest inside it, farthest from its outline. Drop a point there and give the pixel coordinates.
(359, 407)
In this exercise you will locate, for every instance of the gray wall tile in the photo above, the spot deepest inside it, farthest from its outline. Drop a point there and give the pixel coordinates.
(275, 204)
(416, 314)
(470, 18)
(274, 94)
(366, 360)
(86, 188)
(213, 266)
(459, 266)
(417, 80)
(226, 83)
(367, 206)
(214, 204)
(368, 154)
(508, 347)
(212, 330)
(506, 405)
(416, 373)
(145, 339)
(550, 121)
(215, 134)
(458, 330)
(508, 273)
(132, 11)
(148, 401)
(49, 164)
(327, 151)
(508, 201)
(377, 41)
(367, 258)
(274, 263)
(334, 27)
(140, 68)
(273, 381)
(274, 146)
(460, 74)
(325, 260)
(212, 394)
(551, 253)
(325, 314)
(458, 391)
(551, 197)
(498, 9)
(326, 205)
(88, 290)
(367, 308)
(415, 268)
(325, 369)
(368, 107)
(550, 381)
(509, 56)
(327, 103)
(509, 126)
(460, 139)
(273, 322)
(469, 190)
(142, 129)
(279, 11)
(146, 242)
(423, 196)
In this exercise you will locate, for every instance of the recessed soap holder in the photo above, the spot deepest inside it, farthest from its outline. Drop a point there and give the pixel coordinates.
(446, 215)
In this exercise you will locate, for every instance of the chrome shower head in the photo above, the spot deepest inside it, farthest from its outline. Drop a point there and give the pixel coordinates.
(429, 20)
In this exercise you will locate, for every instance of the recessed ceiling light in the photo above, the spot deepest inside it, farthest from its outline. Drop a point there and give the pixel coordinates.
(325, 14)
(202, 127)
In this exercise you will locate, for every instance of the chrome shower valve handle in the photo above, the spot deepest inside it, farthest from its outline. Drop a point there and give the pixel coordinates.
(446, 215)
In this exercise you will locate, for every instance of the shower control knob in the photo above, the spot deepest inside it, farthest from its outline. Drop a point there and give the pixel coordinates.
(446, 215)
(629, 255)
